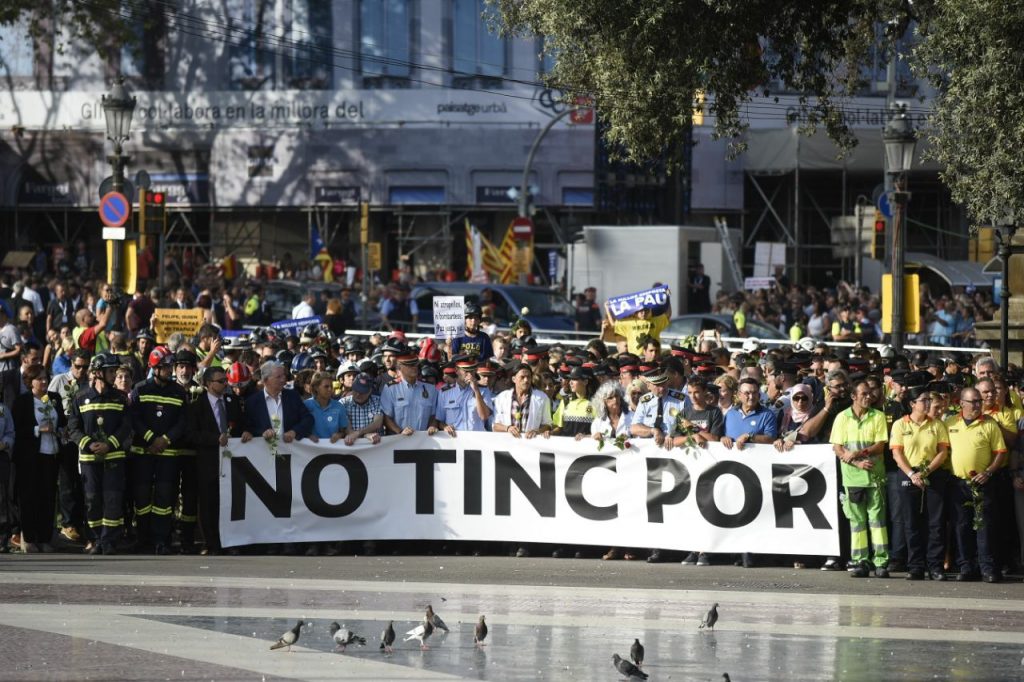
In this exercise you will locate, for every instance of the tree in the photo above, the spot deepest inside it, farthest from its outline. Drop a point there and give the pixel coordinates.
(646, 61)
(971, 51)
(100, 23)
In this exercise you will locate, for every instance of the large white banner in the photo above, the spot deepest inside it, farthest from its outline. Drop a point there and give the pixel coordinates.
(492, 487)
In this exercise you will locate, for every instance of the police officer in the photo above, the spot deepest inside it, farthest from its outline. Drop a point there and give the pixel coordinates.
(462, 406)
(101, 426)
(158, 420)
(185, 366)
(409, 405)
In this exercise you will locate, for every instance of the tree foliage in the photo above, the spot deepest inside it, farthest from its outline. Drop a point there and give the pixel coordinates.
(971, 49)
(101, 24)
(645, 61)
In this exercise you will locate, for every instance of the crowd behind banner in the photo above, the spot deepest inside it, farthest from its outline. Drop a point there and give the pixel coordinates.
(113, 440)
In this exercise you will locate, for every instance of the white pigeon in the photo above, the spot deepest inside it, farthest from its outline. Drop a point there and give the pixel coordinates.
(288, 638)
(422, 632)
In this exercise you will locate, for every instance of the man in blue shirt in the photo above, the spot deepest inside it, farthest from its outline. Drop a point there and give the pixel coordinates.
(408, 404)
(750, 422)
(657, 412)
(462, 405)
(474, 341)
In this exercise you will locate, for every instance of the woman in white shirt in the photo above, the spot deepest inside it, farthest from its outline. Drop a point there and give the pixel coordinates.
(611, 417)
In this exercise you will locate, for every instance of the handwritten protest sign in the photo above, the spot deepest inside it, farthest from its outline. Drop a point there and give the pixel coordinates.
(167, 321)
(449, 317)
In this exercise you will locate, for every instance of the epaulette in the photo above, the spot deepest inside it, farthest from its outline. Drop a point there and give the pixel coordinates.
(647, 397)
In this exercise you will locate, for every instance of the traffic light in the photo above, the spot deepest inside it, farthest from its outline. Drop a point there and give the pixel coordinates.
(153, 212)
(878, 243)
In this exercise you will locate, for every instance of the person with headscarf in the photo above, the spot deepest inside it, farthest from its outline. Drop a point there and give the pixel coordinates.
(800, 398)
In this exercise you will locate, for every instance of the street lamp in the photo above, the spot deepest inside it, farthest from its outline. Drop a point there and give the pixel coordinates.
(118, 108)
(1004, 234)
(900, 139)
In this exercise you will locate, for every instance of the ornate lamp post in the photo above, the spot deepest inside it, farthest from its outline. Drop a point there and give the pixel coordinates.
(118, 108)
(900, 139)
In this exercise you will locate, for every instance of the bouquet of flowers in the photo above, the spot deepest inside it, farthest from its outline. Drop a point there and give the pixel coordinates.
(922, 469)
(272, 442)
(976, 503)
(621, 441)
(687, 429)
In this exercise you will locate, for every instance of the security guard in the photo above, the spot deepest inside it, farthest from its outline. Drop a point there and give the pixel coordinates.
(463, 406)
(99, 422)
(409, 405)
(185, 365)
(657, 412)
(158, 420)
(574, 416)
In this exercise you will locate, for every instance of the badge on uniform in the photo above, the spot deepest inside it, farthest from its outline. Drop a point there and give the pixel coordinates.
(330, 418)
(159, 413)
(86, 401)
(425, 394)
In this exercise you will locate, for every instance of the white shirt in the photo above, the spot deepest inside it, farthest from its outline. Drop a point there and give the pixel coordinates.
(604, 426)
(274, 409)
(34, 298)
(303, 310)
(539, 412)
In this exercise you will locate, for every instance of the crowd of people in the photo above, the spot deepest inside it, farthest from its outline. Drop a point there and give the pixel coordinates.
(112, 439)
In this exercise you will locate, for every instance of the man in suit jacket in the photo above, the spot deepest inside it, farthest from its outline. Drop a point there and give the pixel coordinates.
(277, 409)
(212, 418)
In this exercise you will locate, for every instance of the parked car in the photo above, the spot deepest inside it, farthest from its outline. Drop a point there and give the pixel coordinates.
(548, 311)
(283, 295)
(691, 325)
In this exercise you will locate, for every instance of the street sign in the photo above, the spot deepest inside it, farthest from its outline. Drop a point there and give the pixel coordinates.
(118, 233)
(883, 204)
(115, 209)
(522, 228)
(143, 180)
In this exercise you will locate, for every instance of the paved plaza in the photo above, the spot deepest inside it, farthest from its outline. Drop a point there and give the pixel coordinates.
(125, 617)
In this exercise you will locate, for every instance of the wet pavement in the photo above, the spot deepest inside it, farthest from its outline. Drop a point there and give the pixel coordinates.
(216, 617)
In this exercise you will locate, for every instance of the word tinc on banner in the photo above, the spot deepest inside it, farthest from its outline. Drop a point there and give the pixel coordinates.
(630, 304)
(449, 317)
(167, 321)
(288, 326)
(486, 486)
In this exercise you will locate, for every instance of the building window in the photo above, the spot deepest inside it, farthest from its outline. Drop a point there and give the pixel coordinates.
(142, 59)
(545, 60)
(17, 49)
(476, 51)
(385, 39)
(307, 50)
(251, 60)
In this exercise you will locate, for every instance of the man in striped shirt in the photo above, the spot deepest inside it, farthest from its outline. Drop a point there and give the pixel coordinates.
(365, 414)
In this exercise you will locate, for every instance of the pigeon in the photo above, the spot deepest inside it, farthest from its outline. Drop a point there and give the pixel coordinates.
(636, 652)
(436, 619)
(480, 632)
(343, 637)
(387, 637)
(627, 668)
(711, 618)
(288, 638)
(422, 632)
(725, 676)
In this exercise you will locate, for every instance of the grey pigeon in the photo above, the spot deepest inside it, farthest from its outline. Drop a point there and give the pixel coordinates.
(725, 676)
(436, 619)
(627, 668)
(710, 618)
(636, 652)
(387, 637)
(422, 632)
(288, 638)
(343, 637)
(480, 632)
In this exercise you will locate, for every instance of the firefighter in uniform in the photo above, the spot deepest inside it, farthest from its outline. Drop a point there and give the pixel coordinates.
(158, 420)
(101, 426)
(185, 365)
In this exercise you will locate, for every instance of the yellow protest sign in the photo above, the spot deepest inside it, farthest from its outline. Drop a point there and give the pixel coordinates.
(167, 321)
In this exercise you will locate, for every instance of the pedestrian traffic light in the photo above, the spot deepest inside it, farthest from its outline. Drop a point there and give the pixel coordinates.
(878, 243)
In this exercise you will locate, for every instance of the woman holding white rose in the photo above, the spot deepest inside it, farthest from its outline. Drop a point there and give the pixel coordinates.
(37, 417)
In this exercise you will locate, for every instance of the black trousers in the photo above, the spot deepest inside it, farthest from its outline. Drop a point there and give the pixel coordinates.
(36, 495)
(71, 497)
(208, 471)
(154, 486)
(925, 530)
(104, 484)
